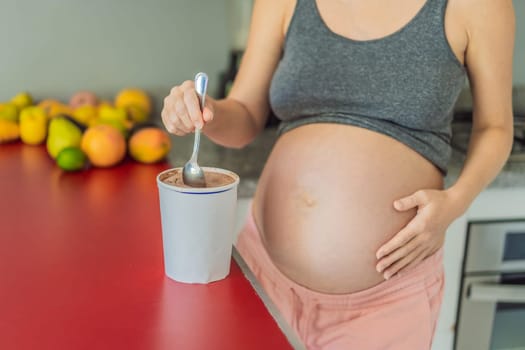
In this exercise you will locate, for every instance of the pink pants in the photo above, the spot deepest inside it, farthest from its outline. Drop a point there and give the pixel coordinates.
(400, 313)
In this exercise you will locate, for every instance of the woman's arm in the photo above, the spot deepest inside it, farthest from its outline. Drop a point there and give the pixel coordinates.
(488, 57)
(236, 120)
(242, 115)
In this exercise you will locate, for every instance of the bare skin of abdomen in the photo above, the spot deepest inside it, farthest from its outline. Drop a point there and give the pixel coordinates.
(324, 203)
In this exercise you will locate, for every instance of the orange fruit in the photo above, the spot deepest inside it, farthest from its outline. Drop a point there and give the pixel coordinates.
(104, 145)
(149, 145)
(9, 131)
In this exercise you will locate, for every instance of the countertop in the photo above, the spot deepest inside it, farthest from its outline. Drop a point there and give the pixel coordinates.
(81, 267)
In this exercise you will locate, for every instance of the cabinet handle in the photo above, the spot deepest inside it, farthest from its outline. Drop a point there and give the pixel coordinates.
(498, 293)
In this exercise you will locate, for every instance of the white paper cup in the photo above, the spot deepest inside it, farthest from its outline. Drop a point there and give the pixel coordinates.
(198, 229)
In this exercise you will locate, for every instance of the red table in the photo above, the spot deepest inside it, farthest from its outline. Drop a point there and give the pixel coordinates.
(81, 267)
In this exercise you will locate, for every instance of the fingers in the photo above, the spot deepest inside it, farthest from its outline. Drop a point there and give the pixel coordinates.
(399, 240)
(412, 259)
(181, 113)
(207, 113)
(396, 255)
(405, 203)
(169, 126)
(181, 117)
(193, 109)
(416, 199)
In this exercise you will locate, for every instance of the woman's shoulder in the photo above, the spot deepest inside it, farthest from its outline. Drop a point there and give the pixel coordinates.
(475, 20)
(481, 12)
(279, 6)
(280, 9)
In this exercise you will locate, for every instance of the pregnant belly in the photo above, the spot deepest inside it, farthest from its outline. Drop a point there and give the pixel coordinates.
(324, 203)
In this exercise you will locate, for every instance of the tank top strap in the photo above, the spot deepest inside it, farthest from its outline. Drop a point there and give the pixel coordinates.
(434, 12)
(305, 18)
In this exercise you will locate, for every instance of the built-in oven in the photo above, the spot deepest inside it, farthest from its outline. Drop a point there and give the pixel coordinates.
(491, 314)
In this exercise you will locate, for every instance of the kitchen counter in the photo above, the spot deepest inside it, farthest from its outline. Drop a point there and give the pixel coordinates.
(81, 267)
(512, 174)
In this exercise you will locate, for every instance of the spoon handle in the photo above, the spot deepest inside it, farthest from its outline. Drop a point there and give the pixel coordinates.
(196, 143)
(201, 84)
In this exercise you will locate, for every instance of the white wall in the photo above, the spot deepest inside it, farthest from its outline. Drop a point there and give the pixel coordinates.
(53, 48)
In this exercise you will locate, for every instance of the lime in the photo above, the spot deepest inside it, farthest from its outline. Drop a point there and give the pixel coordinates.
(71, 159)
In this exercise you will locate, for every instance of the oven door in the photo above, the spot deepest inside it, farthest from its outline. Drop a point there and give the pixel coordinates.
(492, 313)
(492, 310)
(495, 247)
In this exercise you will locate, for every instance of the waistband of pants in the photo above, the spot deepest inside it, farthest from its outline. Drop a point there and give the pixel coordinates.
(396, 286)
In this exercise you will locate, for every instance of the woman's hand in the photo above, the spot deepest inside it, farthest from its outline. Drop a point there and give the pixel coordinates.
(182, 113)
(422, 236)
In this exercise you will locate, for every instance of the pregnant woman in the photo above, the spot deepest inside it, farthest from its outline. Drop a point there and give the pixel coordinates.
(349, 216)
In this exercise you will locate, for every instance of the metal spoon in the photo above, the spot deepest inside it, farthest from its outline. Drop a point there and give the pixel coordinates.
(192, 174)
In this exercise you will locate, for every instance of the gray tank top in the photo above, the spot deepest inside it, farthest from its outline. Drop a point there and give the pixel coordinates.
(403, 85)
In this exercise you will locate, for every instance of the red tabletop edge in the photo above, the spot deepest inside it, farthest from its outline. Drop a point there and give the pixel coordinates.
(81, 266)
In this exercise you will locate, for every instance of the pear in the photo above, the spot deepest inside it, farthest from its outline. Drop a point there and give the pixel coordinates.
(63, 132)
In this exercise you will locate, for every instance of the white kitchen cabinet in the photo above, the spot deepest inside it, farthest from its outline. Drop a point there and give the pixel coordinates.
(492, 204)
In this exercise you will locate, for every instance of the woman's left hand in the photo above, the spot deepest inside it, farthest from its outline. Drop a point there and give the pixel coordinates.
(422, 236)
